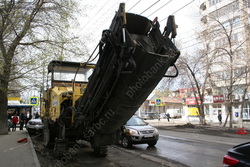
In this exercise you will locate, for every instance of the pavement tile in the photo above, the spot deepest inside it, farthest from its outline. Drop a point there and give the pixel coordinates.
(14, 154)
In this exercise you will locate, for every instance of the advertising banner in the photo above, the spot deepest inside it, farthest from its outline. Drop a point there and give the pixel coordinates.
(218, 99)
(192, 100)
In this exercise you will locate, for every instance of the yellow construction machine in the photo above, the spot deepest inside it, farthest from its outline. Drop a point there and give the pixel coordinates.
(92, 101)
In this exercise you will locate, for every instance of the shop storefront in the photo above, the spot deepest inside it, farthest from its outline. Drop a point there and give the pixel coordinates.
(213, 105)
(246, 111)
(192, 109)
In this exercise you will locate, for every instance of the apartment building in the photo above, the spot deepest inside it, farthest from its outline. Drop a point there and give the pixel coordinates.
(225, 27)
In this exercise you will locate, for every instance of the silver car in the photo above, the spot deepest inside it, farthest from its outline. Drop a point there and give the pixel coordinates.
(34, 125)
(137, 131)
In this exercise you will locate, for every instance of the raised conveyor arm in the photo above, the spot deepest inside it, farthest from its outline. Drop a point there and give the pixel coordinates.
(134, 56)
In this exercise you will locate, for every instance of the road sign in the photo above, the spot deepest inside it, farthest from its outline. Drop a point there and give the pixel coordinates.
(158, 102)
(33, 101)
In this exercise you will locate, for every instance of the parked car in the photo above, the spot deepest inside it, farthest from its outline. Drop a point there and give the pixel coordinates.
(238, 156)
(34, 125)
(174, 113)
(137, 131)
(145, 116)
(163, 115)
(154, 115)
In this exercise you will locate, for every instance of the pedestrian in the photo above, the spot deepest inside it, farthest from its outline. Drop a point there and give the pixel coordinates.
(220, 118)
(22, 120)
(9, 124)
(168, 116)
(28, 117)
(37, 115)
(9, 115)
(9, 121)
(14, 122)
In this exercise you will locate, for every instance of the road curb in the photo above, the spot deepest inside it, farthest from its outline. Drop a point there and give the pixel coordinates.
(37, 163)
(157, 159)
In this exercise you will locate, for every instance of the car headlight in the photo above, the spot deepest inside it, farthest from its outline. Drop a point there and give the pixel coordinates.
(132, 132)
(156, 131)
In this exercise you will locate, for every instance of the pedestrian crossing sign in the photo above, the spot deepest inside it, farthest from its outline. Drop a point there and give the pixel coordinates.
(158, 102)
(33, 101)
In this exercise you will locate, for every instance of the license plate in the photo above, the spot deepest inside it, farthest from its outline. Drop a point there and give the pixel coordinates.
(149, 135)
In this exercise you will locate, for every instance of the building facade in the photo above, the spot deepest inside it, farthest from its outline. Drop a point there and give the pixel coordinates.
(225, 26)
(171, 105)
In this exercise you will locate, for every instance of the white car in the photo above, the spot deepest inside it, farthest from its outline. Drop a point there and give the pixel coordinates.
(34, 125)
(137, 131)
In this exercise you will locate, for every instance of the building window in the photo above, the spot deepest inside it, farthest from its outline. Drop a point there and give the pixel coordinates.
(222, 75)
(216, 109)
(236, 21)
(239, 72)
(239, 54)
(225, 10)
(235, 38)
(206, 110)
(204, 19)
(214, 2)
(222, 42)
(203, 6)
(246, 111)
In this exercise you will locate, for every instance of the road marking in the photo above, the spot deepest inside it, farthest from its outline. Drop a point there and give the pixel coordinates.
(220, 140)
(176, 138)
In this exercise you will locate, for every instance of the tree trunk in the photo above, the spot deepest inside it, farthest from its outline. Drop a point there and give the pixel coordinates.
(3, 108)
(241, 112)
(202, 114)
(230, 118)
(226, 120)
(202, 118)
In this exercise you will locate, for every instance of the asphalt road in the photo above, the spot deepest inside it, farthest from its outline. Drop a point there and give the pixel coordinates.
(194, 154)
(192, 148)
(177, 147)
(84, 156)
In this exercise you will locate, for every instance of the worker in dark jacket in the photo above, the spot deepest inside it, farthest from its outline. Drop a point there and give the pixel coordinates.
(28, 117)
(220, 118)
(37, 115)
(22, 120)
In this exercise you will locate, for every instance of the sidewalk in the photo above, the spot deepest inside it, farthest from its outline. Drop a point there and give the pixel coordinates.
(17, 154)
(214, 129)
(181, 121)
(192, 131)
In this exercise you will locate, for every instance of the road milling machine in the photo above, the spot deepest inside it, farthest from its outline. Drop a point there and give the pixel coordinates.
(92, 101)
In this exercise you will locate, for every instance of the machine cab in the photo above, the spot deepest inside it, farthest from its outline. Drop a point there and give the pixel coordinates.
(68, 83)
(69, 74)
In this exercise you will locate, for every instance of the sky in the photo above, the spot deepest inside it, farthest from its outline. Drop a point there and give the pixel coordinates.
(99, 14)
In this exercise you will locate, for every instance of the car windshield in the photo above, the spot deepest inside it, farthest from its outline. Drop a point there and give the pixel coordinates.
(136, 121)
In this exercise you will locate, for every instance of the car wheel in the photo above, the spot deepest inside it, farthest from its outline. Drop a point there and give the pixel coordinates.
(101, 151)
(152, 143)
(31, 132)
(125, 142)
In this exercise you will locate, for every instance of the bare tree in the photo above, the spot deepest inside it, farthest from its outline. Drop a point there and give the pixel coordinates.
(27, 30)
(228, 68)
(196, 69)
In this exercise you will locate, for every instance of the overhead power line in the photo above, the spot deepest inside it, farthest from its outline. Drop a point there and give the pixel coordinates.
(134, 5)
(179, 9)
(183, 7)
(96, 14)
(159, 8)
(188, 42)
(150, 6)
